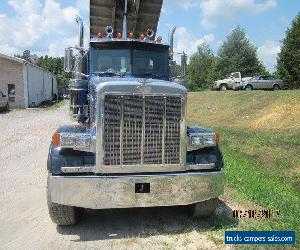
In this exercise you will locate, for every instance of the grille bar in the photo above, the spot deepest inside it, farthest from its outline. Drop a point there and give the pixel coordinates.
(142, 130)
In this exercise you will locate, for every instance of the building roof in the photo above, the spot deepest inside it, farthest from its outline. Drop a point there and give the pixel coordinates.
(22, 61)
(142, 15)
(13, 58)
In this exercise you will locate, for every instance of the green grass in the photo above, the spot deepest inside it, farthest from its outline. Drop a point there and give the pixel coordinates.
(266, 181)
(261, 147)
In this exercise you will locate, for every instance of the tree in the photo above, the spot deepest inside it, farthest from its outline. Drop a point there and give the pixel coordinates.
(288, 61)
(237, 54)
(56, 66)
(201, 69)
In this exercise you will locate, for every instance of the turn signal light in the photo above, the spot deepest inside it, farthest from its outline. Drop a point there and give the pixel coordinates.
(131, 35)
(119, 35)
(100, 35)
(218, 139)
(142, 37)
(56, 139)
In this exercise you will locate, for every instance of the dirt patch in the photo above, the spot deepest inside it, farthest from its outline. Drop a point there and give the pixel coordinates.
(285, 116)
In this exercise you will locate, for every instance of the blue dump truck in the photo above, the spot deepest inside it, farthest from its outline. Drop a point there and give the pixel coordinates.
(130, 145)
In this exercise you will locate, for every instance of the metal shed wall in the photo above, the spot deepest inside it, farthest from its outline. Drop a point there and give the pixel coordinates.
(41, 85)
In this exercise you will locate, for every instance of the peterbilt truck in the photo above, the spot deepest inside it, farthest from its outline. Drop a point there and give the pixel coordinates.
(129, 145)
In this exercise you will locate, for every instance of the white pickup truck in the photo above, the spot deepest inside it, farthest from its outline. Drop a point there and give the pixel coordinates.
(229, 82)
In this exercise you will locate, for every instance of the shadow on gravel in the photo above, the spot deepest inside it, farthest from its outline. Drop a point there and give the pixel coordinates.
(145, 222)
(4, 111)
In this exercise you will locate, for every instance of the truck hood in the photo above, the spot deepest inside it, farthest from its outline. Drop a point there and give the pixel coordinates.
(136, 86)
(223, 80)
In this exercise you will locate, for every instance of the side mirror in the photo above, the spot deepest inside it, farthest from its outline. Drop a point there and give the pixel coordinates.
(69, 60)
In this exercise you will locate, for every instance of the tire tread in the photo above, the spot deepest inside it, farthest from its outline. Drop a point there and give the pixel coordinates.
(63, 215)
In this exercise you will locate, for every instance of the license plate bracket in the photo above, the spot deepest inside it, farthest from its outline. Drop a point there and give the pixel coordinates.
(142, 188)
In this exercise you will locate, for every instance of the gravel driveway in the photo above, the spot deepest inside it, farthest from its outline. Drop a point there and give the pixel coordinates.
(24, 220)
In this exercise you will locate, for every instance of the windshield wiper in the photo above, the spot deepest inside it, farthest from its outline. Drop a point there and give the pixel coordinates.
(106, 73)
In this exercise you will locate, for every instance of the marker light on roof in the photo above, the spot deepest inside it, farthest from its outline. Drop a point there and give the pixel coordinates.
(159, 39)
(142, 37)
(119, 35)
(131, 35)
(100, 34)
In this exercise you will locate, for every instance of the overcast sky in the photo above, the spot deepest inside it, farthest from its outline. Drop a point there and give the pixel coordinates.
(48, 26)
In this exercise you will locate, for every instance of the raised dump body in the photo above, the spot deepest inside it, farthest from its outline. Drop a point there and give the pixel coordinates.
(142, 15)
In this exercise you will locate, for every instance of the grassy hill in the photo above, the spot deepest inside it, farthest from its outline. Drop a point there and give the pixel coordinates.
(261, 145)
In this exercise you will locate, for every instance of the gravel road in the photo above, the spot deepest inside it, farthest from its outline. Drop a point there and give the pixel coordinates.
(24, 220)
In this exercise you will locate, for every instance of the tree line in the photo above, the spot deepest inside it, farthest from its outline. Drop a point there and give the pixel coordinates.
(56, 66)
(238, 54)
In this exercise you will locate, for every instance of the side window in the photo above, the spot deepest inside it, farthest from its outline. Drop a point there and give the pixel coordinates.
(11, 93)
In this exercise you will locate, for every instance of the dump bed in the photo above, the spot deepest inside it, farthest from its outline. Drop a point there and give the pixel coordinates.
(142, 15)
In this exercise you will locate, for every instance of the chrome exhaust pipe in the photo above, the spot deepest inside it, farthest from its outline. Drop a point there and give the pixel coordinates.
(171, 40)
(81, 31)
(124, 36)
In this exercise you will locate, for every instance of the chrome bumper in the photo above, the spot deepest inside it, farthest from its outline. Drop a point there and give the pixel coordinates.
(101, 192)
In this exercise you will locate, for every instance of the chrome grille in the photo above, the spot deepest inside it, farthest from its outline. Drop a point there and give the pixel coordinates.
(154, 122)
(141, 130)
(112, 130)
(132, 132)
(172, 137)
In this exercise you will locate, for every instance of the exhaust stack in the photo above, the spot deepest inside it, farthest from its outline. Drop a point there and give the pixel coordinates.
(171, 41)
(81, 31)
(124, 36)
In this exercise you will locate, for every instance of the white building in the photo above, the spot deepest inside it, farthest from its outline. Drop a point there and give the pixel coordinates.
(26, 84)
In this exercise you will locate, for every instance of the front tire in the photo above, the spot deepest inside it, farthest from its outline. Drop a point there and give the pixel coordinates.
(276, 87)
(204, 209)
(223, 87)
(63, 215)
(248, 87)
(7, 107)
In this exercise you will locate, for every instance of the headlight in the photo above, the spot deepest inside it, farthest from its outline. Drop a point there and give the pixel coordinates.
(79, 141)
(203, 140)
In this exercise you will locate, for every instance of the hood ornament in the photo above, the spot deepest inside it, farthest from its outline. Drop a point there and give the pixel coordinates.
(143, 88)
(143, 81)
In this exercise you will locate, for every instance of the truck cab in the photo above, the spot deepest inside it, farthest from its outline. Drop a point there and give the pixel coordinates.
(131, 146)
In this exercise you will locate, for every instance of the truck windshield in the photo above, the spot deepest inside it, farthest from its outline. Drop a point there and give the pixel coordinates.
(130, 62)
